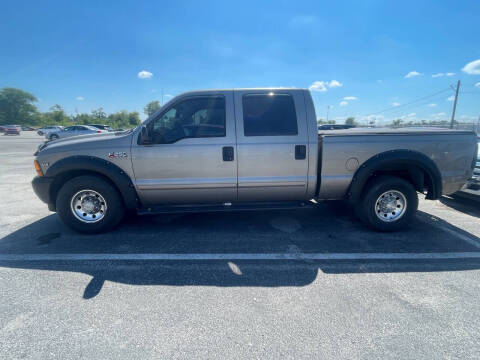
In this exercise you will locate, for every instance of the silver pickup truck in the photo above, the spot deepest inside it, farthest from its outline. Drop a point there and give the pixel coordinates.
(247, 149)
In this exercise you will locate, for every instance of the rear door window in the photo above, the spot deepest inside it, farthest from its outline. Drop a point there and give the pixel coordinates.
(269, 115)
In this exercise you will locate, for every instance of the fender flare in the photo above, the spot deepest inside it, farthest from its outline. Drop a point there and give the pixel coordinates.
(103, 167)
(401, 157)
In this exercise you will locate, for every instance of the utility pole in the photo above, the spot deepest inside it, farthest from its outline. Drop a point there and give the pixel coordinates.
(455, 105)
(328, 109)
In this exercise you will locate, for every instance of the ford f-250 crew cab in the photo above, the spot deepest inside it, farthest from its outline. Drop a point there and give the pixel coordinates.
(247, 149)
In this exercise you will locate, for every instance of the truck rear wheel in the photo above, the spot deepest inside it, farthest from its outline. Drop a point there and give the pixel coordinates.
(388, 204)
(89, 204)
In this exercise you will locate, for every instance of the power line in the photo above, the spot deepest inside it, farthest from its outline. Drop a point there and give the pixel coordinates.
(409, 103)
(406, 107)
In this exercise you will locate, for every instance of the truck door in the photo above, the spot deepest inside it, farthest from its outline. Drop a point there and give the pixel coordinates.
(190, 156)
(271, 145)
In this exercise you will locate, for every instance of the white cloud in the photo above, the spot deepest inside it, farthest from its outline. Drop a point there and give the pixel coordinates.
(335, 83)
(350, 98)
(438, 75)
(449, 74)
(412, 74)
(438, 115)
(322, 85)
(432, 105)
(343, 103)
(477, 84)
(472, 68)
(395, 104)
(144, 74)
(318, 86)
(451, 98)
(80, 98)
(411, 115)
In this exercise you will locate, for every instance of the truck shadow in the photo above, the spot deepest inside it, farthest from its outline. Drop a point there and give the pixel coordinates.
(324, 230)
(463, 204)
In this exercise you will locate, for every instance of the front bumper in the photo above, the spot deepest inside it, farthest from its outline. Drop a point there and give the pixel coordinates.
(41, 187)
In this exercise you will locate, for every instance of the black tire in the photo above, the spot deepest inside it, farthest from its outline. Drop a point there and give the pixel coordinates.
(53, 137)
(114, 209)
(366, 209)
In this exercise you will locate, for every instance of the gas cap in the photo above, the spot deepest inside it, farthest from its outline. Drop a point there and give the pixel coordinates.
(351, 164)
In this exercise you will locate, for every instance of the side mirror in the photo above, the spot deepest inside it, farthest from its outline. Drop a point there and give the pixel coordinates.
(144, 138)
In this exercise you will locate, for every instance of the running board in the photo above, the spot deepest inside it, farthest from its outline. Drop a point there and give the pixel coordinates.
(175, 209)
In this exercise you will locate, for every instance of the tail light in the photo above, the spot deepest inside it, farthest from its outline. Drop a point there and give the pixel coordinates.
(99, 131)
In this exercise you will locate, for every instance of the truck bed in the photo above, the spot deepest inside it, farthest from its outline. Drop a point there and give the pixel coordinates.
(391, 131)
(342, 153)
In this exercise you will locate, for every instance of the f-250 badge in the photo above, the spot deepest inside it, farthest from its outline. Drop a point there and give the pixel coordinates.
(120, 154)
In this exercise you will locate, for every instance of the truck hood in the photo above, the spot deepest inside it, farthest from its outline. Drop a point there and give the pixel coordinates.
(84, 141)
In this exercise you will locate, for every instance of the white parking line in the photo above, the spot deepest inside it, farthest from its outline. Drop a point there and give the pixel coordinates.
(242, 256)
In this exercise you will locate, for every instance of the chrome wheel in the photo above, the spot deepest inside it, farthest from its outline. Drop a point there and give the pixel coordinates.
(390, 206)
(88, 206)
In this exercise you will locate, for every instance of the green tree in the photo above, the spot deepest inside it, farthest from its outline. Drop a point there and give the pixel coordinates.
(99, 116)
(151, 107)
(56, 116)
(16, 106)
(83, 119)
(350, 121)
(134, 119)
(123, 119)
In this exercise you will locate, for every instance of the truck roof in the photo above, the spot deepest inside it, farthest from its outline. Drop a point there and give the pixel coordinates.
(245, 89)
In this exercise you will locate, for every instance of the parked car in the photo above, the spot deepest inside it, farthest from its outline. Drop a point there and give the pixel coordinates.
(75, 130)
(2, 128)
(12, 129)
(248, 149)
(335, 127)
(27, 128)
(472, 187)
(46, 129)
(102, 127)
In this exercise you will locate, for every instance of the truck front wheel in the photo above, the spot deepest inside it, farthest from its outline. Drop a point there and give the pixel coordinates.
(388, 204)
(89, 204)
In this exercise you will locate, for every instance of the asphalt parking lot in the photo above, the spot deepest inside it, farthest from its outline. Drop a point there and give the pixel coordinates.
(311, 283)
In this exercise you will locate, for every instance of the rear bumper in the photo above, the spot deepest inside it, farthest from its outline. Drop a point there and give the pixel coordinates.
(41, 187)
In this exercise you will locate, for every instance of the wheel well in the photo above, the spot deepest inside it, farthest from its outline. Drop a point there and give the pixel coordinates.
(420, 178)
(62, 178)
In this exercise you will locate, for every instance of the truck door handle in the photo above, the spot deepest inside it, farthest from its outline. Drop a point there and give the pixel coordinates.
(227, 152)
(300, 152)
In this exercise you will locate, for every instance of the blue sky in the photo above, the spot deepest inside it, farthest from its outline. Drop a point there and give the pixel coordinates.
(87, 54)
